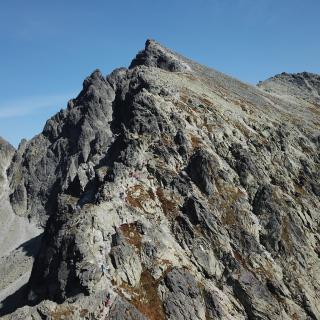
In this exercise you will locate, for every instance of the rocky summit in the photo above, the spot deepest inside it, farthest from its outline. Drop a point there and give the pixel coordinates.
(167, 190)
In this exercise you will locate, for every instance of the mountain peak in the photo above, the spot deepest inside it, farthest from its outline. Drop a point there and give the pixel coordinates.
(168, 190)
(157, 55)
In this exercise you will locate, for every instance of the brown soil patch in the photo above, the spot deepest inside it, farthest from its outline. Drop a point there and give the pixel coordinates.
(145, 297)
(137, 196)
(169, 207)
(195, 141)
(131, 233)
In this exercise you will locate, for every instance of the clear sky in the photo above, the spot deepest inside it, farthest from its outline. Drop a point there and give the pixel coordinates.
(48, 47)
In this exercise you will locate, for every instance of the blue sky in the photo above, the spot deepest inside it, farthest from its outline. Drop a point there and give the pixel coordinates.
(47, 48)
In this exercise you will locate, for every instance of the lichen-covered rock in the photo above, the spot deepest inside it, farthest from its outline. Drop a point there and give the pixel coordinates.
(256, 299)
(126, 262)
(201, 171)
(182, 296)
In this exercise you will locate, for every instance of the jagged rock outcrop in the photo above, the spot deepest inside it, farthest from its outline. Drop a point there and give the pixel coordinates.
(51, 162)
(171, 191)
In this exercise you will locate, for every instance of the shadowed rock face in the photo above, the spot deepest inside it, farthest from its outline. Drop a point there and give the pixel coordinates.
(51, 162)
(171, 191)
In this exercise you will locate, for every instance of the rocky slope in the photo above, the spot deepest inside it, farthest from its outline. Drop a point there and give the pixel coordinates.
(305, 86)
(171, 191)
(18, 241)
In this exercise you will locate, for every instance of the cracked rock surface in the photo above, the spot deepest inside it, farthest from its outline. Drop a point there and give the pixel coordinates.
(168, 190)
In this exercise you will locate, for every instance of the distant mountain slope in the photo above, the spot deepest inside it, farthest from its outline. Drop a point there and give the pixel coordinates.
(303, 85)
(172, 191)
(16, 238)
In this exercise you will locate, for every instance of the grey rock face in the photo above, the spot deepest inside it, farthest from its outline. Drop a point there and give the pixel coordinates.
(201, 169)
(183, 299)
(122, 310)
(171, 191)
(126, 262)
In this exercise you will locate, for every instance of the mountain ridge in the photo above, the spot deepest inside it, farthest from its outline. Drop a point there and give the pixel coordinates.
(172, 191)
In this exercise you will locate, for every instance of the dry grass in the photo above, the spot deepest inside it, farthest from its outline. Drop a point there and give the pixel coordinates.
(137, 196)
(169, 207)
(315, 108)
(265, 271)
(166, 262)
(167, 140)
(130, 232)
(229, 198)
(84, 313)
(299, 189)
(195, 141)
(62, 313)
(185, 96)
(205, 102)
(240, 259)
(295, 316)
(229, 218)
(191, 77)
(145, 297)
